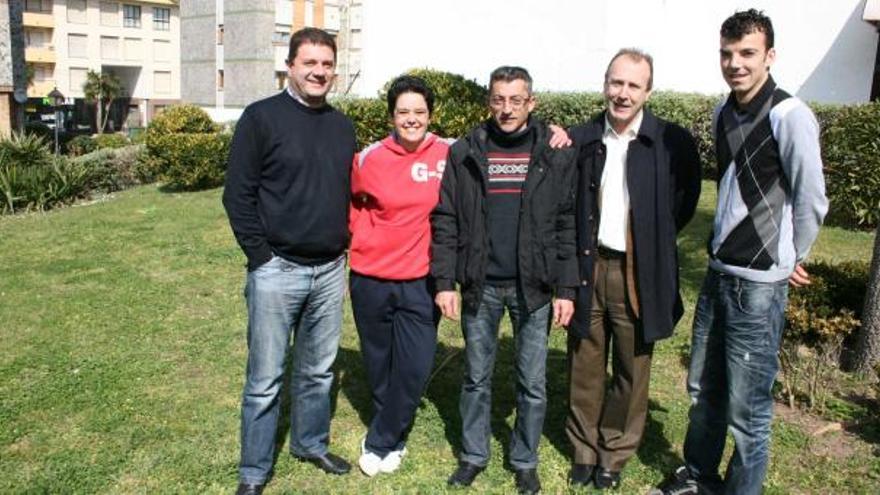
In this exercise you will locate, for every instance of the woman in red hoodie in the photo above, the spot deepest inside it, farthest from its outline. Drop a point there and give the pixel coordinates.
(395, 185)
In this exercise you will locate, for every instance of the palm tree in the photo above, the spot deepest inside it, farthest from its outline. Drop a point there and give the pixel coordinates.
(101, 89)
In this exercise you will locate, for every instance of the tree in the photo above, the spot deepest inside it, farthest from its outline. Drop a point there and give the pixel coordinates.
(867, 351)
(101, 89)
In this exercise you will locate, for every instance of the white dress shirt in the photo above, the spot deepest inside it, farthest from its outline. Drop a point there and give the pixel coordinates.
(613, 193)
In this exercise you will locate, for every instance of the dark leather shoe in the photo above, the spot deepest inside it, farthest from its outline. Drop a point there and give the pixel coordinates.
(249, 489)
(464, 475)
(527, 482)
(581, 474)
(604, 479)
(329, 463)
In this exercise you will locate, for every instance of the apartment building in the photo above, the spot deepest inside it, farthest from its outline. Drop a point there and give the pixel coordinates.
(137, 41)
(235, 50)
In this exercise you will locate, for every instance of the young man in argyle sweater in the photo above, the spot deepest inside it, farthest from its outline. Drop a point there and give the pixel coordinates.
(771, 203)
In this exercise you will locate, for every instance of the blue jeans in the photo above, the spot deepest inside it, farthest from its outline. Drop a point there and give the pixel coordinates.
(284, 297)
(480, 328)
(736, 336)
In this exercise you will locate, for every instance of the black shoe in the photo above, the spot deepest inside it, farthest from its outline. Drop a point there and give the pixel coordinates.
(680, 483)
(329, 463)
(464, 475)
(604, 479)
(581, 474)
(250, 489)
(527, 481)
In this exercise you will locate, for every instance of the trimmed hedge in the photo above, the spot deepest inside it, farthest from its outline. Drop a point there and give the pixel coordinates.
(114, 169)
(850, 133)
(186, 150)
(111, 140)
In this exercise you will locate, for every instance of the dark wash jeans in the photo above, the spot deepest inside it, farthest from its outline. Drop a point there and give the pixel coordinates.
(284, 297)
(736, 336)
(480, 329)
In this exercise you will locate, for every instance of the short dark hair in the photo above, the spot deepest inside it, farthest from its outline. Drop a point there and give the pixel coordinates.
(510, 73)
(636, 55)
(747, 22)
(313, 36)
(409, 84)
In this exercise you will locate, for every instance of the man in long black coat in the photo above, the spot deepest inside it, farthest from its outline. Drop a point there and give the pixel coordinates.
(639, 185)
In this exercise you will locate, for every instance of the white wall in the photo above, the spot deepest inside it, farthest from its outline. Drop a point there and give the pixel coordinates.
(825, 52)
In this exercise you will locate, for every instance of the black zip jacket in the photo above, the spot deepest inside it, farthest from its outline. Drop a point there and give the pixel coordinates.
(546, 260)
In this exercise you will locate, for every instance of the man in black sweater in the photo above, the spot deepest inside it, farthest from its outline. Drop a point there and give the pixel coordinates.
(287, 196)
(504, 230)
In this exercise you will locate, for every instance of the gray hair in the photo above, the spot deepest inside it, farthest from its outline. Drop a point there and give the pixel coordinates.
(510, 73)
(636, 55)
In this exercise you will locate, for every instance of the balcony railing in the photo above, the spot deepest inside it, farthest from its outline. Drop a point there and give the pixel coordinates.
(38, 19)
(41, 54)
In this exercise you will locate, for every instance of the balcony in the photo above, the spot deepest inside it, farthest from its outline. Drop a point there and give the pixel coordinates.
(40, 54)
(38, 19)
(40, 89)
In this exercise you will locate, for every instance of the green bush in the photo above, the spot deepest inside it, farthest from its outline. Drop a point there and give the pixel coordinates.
(81, 145)
(185, 149)
(111, 140)
(851, 154)
(370, 117)
(25, 150)
(40, 187)
(819, 317)
(114, 169)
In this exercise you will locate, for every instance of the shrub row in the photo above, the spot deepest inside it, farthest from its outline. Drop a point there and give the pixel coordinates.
(31, 178)
(850, 134)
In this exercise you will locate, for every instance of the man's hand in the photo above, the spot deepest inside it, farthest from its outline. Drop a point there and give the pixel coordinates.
(447, 301)
(560, 138)
(563, 309)
(799, 277)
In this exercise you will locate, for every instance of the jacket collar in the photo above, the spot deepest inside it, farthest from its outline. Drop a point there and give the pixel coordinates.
(647, 131)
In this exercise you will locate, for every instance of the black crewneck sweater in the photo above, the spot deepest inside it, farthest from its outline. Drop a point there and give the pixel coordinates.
(288, 181)
(508, 156)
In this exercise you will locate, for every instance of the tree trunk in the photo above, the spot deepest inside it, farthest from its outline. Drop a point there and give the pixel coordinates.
(98, 121)
(867, 351)
(106, 114)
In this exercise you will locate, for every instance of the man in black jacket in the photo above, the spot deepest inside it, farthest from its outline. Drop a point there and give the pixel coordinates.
(639, 185)
(504, 230)
(287, 197)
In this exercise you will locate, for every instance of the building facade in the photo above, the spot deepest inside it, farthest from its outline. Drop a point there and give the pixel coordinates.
(12, 67)
(136, 41)
(235, 50)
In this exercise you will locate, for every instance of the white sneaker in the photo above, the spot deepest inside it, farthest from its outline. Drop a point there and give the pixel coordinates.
(392, 461)
(369, 462)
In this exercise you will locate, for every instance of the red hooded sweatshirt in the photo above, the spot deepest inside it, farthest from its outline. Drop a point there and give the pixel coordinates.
(392, 194)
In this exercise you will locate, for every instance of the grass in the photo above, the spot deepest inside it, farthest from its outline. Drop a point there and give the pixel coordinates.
(123, 359)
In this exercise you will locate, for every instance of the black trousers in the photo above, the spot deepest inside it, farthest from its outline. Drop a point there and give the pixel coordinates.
(397, 325)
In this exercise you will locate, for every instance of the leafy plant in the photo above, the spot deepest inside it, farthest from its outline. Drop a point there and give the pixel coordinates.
(819, 317)
(111, 140)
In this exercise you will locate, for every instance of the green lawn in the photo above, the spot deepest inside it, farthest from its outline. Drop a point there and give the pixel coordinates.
(123, 347)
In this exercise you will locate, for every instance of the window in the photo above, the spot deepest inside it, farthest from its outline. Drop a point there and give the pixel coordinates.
(38, 6)
(131, 16)
(42, 73)
(38, 38)
(109, 14)
(281, 35)
(162, 82)
(77, 79)
(77, 45)
(220, 80)
(76, 12)
(110, 47)
(280, 79)
(134, 49)
(220, 34)
(161, 19)
(161, 51)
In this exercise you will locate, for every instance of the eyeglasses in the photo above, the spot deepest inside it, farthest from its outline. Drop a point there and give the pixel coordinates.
(515, 102)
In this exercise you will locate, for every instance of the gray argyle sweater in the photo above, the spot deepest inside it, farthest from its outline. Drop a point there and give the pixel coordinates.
(771, 191)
